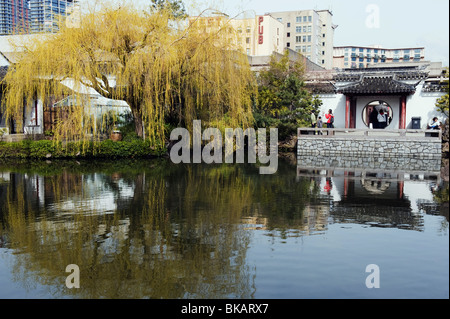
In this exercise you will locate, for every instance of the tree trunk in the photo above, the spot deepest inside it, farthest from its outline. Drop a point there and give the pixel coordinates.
(139, 126)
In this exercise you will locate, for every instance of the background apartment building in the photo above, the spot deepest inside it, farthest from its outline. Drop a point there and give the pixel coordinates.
(34, 16)
(356, 57)
(260, 36)
(14, 17)
(310, 33)
(45, 15)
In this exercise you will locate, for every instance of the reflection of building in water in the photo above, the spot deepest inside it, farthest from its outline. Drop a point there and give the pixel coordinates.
(381, 198)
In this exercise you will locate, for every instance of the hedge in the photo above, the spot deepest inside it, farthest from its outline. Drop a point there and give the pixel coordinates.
(45, 149)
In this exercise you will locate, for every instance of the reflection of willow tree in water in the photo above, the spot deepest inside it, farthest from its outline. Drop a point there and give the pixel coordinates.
(178, 235)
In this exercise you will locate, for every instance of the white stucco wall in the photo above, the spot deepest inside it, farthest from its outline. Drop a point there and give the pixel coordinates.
(422, 104)
(393, 101)
(335, 102)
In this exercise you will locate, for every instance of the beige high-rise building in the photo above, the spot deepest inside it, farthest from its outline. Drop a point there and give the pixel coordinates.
(258, 36)
(309, 32)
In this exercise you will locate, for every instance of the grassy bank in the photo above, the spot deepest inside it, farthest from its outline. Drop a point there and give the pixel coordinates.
(46, 149)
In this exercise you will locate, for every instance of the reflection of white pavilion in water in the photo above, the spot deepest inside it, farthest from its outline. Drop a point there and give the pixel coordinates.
(377, 198)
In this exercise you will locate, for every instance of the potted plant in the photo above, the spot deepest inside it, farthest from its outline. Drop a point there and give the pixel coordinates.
(116, 135)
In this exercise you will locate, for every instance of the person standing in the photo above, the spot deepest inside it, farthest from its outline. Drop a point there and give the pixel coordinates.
(373, 118)
(320, 125)
(313, 119)
(330, 119)
(382, 120)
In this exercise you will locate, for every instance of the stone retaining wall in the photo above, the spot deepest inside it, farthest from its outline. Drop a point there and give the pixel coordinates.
(406, 164)
(370, 147)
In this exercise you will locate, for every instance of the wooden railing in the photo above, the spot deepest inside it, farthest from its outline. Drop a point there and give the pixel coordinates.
(368, 133)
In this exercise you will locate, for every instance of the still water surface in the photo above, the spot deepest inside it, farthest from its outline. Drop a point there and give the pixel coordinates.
(152, 229)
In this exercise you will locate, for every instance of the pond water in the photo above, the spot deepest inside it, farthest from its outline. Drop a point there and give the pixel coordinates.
(152, 229)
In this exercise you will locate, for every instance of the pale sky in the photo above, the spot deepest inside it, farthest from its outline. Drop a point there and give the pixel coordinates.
(401, 23)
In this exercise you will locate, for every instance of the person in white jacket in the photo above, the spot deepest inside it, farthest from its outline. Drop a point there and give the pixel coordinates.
(382, 119)
(435, 124)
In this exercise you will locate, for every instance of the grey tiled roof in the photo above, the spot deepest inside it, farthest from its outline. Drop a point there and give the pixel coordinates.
(377, 85)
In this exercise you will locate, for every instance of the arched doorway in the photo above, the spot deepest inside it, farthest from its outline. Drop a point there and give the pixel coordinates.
(377, 114)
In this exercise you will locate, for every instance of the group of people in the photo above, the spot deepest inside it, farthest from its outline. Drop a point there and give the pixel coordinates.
(319, 121)
(379, 119)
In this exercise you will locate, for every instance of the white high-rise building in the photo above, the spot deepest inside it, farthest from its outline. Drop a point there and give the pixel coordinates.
(309, 32)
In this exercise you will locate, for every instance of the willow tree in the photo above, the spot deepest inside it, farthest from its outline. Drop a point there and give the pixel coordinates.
(164, 67)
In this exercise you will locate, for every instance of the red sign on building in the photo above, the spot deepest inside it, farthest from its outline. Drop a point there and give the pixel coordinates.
(260, 30)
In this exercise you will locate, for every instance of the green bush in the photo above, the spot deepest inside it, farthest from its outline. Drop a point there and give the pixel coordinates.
(106, 149)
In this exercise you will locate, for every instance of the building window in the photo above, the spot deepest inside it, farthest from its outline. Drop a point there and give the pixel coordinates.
(248, 30)
(288, 44)
(308, 49)
(298, 48)
(298, 29)
(247, 40)
(353, 59)
(288, 24)
(361, 65)
(323, 35)
(248, 51)
(280, 19)
(309, 18)
(305, 18)
(361, 59)
(288, 34)
(304, 29)
(309, 38)
(298, 19)
(309, 28)
(298, 39)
